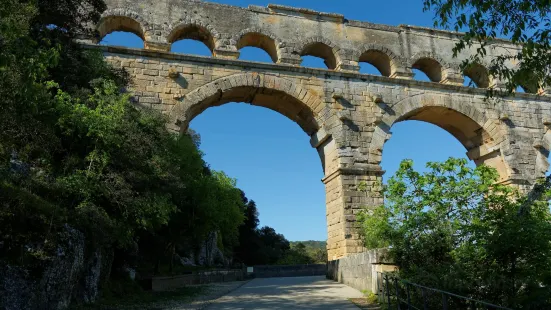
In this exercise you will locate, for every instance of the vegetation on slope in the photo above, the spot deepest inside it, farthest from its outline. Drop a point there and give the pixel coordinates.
(456, 229)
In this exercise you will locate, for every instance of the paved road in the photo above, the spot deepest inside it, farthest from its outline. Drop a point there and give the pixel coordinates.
(289, 293)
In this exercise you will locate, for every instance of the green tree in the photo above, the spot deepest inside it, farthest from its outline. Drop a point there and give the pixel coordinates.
(316, 250)
(75, 151)
(274, 246)
(249, 239)
(297, 255)
(524, 22)
(455, 228)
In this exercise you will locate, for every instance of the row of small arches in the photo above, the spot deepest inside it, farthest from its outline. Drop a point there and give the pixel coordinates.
(256, 46)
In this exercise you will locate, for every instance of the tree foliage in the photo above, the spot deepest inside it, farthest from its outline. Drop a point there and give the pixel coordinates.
(527, 23)
(316, 250)
(75, 151)
(455, 228)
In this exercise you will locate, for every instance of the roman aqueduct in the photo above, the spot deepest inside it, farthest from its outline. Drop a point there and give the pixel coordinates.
(348, 115)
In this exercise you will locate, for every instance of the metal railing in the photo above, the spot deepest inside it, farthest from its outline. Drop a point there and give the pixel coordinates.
(395, 293)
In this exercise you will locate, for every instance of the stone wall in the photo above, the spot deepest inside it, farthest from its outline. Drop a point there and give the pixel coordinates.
(173, 282)
(360, 270)
(273, 271)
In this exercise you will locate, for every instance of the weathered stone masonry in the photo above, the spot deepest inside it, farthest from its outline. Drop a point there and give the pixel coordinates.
(348, 115)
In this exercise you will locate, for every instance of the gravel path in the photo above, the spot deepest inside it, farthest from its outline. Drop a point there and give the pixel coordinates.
(289, 293)
(214, 291)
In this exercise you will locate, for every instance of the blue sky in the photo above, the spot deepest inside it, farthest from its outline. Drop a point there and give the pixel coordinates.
(270, 156)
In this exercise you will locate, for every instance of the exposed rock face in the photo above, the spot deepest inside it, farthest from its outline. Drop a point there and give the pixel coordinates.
(16, 288)
(186, 261)
(93, 274)
(68, 275)
(210, 254)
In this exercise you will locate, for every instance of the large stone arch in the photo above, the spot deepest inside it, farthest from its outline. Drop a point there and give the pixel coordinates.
(482, 136)
(279, 94)
(296, 102)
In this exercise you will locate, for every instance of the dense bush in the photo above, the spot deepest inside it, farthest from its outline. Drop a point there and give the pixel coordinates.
(457, 229)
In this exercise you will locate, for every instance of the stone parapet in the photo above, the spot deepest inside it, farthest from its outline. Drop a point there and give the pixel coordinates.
(360, 270)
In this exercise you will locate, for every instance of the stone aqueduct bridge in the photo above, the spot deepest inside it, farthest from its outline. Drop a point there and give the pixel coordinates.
(347, 114)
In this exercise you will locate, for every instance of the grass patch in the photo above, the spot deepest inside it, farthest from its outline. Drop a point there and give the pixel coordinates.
(365, 303)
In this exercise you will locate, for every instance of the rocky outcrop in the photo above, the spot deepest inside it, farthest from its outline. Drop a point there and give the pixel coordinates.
(16, 288)
(62, 274)
(68, 275)
(210, 254)
(95, 272)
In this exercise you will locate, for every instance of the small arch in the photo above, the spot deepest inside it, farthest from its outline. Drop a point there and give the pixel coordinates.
(530, 87)
(478, 74)
(429, 66)
(256, 38)
(275, 93)
(112, 23)
(322, 48)
(381, 58)
(193, 31)
(525, 79)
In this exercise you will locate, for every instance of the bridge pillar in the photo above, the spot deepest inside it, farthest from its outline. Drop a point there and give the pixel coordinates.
(452, 76)
(226, 53)
(344, 202)
(157, 46)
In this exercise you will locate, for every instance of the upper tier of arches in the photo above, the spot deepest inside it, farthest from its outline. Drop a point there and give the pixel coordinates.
(388, 62)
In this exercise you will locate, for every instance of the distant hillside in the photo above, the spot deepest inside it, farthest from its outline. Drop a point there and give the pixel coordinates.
(316, 250)
(311, 244)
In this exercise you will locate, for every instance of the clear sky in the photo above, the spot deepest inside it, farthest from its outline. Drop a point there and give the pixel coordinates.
(270, 156)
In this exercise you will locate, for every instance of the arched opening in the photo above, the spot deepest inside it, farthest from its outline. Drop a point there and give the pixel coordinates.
(264, 151)
(367, 68)
(430, 67)
(275, 100)
(420, 75)
(189, 46)
(476, 75)
(419, 138)
(377, 59)
(313, 62)
(121, 31)
(527, 81)
(323, 51)
(188, 33)
(254, 54)
(255, 40)
(528, 87)
(254, 145)
(436, 143)
(275, 93)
